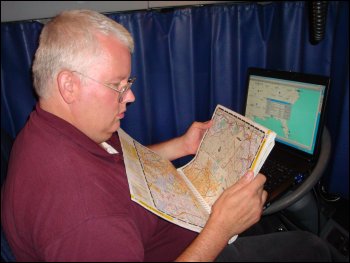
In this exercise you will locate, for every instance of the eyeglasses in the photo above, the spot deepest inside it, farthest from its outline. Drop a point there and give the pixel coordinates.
(121, 90)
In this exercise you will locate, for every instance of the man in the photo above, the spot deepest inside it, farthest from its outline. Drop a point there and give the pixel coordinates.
(66, 197)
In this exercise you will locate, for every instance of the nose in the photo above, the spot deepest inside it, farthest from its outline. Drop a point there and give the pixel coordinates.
(128, 97)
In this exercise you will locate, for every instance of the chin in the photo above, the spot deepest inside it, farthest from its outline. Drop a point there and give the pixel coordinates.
(114, 129)
(116, 126)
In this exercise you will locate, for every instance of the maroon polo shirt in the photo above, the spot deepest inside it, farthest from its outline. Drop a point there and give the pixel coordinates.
(66, 199)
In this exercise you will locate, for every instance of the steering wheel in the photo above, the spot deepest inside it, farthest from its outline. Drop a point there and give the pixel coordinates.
(293, 196)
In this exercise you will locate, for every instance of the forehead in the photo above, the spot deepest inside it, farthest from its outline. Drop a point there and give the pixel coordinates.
(116, 55)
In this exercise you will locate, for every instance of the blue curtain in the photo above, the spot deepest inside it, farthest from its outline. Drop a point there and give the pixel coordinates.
(187, 60)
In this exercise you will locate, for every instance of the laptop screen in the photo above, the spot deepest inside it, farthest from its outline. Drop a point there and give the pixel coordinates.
(289, 103)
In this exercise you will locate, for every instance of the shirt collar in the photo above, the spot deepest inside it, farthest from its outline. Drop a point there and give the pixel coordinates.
(108, 148)
(72, 133)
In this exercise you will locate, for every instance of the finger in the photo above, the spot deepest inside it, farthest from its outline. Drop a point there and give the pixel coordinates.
(256, 183)
(260, 179)
(261, 175)
(247, 178)
(244, 180)
(264, 197)
(203, 125)
(208, 123)
(260, 191)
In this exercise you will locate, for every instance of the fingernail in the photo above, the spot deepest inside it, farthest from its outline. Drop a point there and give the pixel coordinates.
(249, 175)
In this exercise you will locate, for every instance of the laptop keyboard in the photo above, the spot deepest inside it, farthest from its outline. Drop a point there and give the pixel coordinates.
(277, 175)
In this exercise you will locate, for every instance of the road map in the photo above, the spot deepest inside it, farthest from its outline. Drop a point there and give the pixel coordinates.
(185, 195)
(227, 151)
(156, 185)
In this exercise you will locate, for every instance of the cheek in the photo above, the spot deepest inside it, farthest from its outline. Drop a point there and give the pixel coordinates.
(110, 104)
(112, 99)
(102, 104)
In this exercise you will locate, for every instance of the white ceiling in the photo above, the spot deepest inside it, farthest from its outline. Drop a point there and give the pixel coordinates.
(25, 10)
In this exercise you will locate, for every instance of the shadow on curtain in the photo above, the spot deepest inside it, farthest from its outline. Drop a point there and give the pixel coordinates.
(187, 60)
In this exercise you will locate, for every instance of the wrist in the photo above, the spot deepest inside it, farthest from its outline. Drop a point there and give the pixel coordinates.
(218, 229)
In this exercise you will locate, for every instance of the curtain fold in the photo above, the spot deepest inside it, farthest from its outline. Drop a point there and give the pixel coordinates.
(187, 60)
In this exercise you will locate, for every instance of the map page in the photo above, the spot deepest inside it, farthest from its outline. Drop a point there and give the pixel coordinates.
(184, 196)
(155, 184)
(233, 145)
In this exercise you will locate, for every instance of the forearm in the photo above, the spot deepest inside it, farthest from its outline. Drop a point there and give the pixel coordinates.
(172, 149)
(206, 247)
(184, 145)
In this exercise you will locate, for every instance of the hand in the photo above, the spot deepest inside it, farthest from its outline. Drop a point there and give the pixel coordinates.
(239, 207)
(184, 145)
(193, 136)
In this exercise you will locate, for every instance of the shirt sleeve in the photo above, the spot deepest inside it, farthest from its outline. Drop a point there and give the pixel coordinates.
(102, 239)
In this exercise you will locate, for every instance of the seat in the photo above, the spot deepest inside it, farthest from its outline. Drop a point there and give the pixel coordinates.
(6, 144)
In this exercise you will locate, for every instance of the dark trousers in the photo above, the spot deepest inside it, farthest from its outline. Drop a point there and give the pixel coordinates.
(285, 246)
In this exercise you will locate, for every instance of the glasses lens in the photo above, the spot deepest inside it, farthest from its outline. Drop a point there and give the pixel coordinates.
(124, 91)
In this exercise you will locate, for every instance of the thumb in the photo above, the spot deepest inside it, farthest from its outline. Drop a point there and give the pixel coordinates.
(244, 180)
(206, 125)
(248, 176)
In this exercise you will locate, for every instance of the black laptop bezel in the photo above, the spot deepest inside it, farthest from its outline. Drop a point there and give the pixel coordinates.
(300, 77)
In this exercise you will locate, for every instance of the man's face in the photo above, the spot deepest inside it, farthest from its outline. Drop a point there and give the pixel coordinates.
(98, 111)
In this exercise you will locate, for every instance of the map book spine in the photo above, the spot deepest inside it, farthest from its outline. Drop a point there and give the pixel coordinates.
(195, 192)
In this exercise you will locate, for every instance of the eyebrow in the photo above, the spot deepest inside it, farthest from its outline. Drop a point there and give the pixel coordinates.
(119, 80)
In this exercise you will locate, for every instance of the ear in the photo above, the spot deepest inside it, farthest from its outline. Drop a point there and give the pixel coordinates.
(67, 85)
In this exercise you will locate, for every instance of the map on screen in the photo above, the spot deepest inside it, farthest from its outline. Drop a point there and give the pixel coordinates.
(289, 108)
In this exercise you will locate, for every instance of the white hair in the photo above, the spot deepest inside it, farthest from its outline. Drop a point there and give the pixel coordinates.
(69, 41)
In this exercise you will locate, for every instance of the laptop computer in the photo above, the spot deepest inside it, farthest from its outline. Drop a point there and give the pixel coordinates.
(293, 105)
